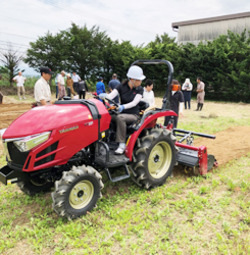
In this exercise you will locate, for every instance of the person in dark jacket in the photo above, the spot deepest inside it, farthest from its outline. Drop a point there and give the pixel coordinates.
(176, 103)
(82, 89)
(130, 93)
(113, 84)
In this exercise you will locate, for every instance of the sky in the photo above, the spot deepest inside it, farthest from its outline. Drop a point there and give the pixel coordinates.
(22, 22)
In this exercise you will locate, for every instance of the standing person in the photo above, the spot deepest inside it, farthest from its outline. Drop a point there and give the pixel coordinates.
(20, 79)
(100, 87)
(61, 85)
(200, 93)
(42, 90)
(76, 79)
(130, 93)
(82, 89)
(113, 83)
(56, 82)
(187, 88)
(148, 93)
(176, 103)
(69, 83)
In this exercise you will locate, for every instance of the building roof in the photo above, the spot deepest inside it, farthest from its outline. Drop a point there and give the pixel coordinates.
(175, 25)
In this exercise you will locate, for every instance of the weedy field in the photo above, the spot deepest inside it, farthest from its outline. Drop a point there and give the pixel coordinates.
(186, 215)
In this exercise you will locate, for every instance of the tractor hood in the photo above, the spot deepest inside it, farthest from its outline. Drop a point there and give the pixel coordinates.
(48, 118)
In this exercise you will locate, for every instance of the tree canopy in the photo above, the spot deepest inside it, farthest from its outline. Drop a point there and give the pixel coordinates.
(223, 64)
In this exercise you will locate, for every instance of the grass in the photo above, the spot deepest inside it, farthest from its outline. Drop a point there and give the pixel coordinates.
(187, 215)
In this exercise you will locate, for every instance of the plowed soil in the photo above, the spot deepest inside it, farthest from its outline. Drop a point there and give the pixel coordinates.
(229, 144)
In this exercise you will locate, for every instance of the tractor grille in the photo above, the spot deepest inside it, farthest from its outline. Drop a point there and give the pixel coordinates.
(45, 160)
(17, 157)
(51, 157)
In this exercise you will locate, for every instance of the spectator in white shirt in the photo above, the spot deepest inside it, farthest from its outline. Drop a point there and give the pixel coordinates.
(42, 88)
(76, 79)
(19, 79)
(148, 93)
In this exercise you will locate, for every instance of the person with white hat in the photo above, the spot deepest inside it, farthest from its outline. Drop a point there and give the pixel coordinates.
(130, 93)
(187, 88)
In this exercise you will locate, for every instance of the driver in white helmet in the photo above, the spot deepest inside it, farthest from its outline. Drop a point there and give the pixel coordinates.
(130, 93)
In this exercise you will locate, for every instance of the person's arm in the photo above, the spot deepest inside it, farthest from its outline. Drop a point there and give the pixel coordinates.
(191, 87)
(113, 94)
(135, 102)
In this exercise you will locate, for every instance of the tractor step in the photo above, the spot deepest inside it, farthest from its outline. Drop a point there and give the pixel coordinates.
(187, 157)
(118, 177)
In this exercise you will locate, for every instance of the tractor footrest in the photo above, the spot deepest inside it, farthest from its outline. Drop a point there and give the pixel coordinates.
(113, 160)
(187, 157)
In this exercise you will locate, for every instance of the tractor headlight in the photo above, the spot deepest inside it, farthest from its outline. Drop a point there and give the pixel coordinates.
(29, 142)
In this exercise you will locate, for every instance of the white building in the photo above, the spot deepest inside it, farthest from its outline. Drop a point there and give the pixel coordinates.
(194, 31)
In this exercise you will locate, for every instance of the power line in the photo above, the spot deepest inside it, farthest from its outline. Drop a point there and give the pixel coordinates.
(7, 43)
(18, 35)
(23, 52)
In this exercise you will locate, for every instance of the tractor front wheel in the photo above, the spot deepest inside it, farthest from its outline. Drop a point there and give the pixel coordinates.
(155, 156)
(33, 186)
(77, 192)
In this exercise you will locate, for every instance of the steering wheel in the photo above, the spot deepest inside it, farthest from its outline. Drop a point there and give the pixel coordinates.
(114, 107)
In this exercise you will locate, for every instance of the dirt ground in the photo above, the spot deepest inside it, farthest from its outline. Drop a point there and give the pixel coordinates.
(229, 144)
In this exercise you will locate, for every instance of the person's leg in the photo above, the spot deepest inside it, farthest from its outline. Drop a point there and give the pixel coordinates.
(60, 94)
(57, 92)
(166, 121)
(80, 94)
(185, 104)
(122, 120)
(64, 91)
(201, 105)
(198, 106)
(18, 92)
(68, 92)
(189, 105)
(175, 121)
(83, 94)
(23, 92)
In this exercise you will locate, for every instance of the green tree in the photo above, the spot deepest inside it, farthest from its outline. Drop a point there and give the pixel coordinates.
(10, 59)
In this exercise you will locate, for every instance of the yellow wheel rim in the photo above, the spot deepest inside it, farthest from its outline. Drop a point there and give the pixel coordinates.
(159, 159)
(81, 194)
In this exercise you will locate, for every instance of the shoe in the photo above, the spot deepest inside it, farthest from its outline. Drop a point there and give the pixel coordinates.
(119, 151)
(24, 97)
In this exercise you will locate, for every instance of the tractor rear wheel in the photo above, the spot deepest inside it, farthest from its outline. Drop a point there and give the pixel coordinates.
(154, 158)
(77, 192)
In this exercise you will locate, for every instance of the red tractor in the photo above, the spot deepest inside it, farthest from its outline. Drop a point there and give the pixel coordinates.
(69, 145)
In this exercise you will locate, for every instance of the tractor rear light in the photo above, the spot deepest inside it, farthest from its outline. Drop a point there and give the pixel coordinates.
(27, 143)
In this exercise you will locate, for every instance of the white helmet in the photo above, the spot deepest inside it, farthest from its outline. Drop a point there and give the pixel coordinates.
(135, 72)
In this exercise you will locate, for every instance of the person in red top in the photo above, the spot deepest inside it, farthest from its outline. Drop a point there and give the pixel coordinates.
(176, 102)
